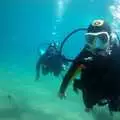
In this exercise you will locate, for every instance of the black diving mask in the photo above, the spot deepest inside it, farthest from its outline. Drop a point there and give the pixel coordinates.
(99, 40)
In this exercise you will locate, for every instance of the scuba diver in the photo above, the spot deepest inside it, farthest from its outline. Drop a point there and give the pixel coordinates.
(51, 61)
(99, 65)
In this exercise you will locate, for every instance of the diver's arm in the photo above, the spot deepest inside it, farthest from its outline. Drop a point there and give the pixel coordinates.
(38, 64)
(80, 59)
(68, 77)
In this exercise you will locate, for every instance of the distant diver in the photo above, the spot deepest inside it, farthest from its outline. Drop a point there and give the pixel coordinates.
(51, 61)
(99, 65)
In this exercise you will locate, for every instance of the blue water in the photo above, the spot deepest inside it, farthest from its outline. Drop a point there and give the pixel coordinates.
(24, 24)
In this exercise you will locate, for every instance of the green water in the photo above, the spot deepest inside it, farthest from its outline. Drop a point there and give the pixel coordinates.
(24, 24)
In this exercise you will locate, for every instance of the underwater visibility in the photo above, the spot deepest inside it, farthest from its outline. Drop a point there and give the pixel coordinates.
(60, 60)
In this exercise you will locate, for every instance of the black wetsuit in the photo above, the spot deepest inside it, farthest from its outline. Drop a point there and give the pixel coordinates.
(100, 80)
(78, 61)
(50, 63)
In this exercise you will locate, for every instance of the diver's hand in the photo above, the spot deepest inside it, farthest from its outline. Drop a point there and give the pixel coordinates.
(61, 95)
(37, 78)
(76, 90)
(88, 109)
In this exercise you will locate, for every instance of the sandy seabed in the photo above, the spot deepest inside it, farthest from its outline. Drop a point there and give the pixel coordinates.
(21, 98)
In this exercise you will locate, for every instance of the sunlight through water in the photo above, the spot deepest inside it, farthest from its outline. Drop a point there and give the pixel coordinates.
(115, 11)
(61, 7)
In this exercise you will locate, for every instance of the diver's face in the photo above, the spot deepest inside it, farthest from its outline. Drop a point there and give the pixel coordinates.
(97, 40)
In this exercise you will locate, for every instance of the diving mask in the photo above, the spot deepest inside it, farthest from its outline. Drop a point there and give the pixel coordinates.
(99, 40)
